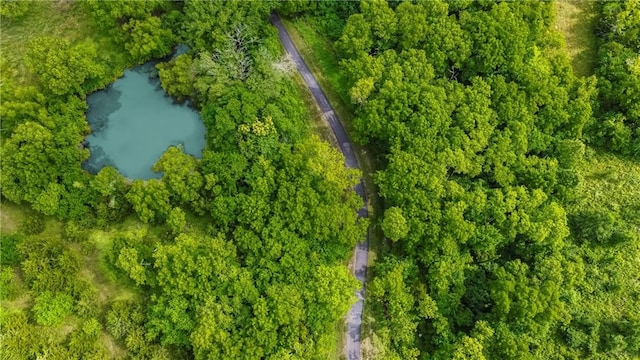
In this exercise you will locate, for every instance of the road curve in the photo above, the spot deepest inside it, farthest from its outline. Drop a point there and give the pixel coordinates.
(354, 317)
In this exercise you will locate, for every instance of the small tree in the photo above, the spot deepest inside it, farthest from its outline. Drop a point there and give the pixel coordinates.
(177, 221)
(51, 308)
(394, 224)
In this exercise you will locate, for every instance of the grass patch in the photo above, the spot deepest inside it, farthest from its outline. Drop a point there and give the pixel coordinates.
(10, 217)
(575, 19)
(612, 182)
(319, 125)
(611, 290)
(69, 20)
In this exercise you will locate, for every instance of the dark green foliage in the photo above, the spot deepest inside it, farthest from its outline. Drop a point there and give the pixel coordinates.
(110, 202)
(10, 255)
(140, 26)
(331, 15)
(9, 289)
(618, 71)
(33, 224)
(148, 39)
(209, 24)
(84, 342)
(41, 159)
(181, 175)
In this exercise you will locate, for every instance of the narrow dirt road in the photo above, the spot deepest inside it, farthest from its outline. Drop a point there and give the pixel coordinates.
(354, 317)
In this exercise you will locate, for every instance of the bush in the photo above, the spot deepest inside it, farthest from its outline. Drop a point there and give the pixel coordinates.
(8, 288)
(86, 296)
(14, 9)
(51, 308)
(75, 232)
(9, 254)
(33, 224)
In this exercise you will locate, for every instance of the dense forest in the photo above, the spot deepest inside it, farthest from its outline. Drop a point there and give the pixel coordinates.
(618, 72)
(480, 129)
(509, 187)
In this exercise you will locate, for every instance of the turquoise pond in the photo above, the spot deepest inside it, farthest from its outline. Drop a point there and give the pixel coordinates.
(134, 121)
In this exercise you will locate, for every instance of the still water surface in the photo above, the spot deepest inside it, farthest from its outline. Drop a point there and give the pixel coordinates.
(134, 121)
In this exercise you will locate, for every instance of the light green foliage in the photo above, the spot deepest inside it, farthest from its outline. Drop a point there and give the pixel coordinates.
(148, 39)
(48, 201)
(14, 9)
(177, 76)
(604, 220)
(150, 199)
(478, 119)
(48, 264)
(131, 263)
(22, 340)
(177, 221)
(21, 104)
(181, 176)
(123, 318)
(61, 68)
(394, 224)
(390, 293)
(51, 308)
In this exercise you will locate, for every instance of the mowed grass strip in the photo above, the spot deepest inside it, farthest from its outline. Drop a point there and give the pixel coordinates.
(575, 20)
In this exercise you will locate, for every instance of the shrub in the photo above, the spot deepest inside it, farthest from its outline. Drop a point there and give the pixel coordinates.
(33, 224)
(51, 308)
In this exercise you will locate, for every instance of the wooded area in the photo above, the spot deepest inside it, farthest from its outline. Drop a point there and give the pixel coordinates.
(510, 187)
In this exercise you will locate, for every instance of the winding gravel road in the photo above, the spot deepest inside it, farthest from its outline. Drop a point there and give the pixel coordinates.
(354, 317)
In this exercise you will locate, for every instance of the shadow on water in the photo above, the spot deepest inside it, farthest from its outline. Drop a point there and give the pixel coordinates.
(133, 121)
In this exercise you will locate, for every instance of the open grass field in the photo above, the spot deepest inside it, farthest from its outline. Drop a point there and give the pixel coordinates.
(575, 19)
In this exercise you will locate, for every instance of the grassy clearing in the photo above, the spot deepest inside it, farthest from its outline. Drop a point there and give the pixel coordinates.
(320, 56)
(69, 20)
(575, 19)
(612, 285)
(10, 217)
(612, 182)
